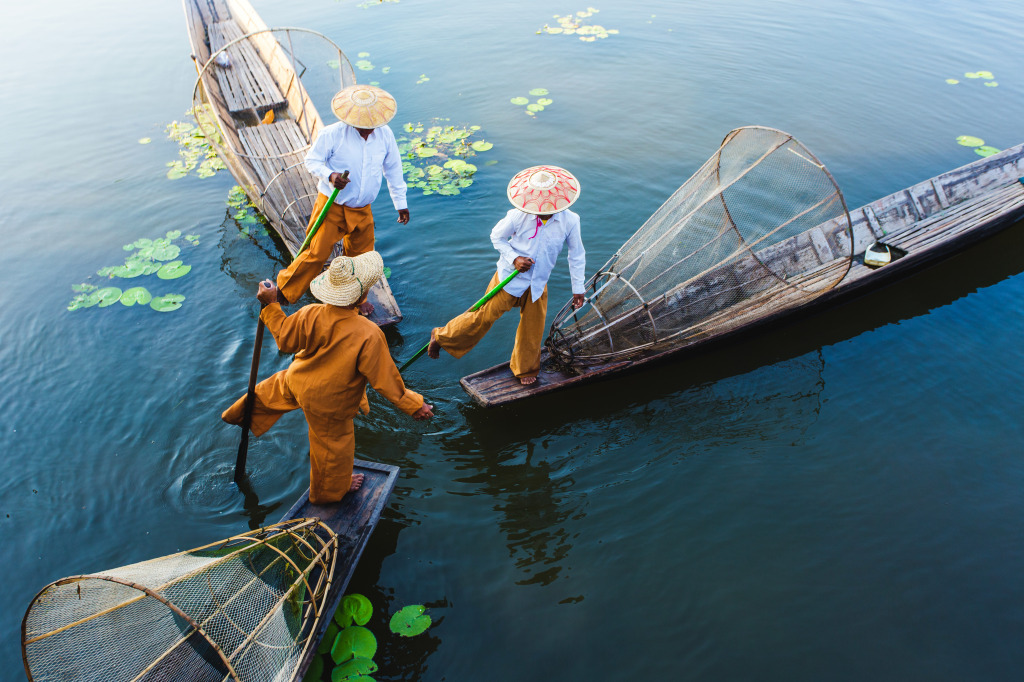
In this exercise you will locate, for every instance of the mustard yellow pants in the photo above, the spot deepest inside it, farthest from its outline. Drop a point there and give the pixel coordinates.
(332, 442)
(353, 226)
(462, 333)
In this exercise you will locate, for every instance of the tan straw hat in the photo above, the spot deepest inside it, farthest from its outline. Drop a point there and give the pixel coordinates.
(364, 106)
(348, 278)
(543, 189)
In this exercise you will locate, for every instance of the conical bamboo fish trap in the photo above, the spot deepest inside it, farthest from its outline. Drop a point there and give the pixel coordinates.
(241, 609)
(762, 226)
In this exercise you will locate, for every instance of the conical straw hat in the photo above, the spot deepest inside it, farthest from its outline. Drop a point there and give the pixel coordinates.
(364, 106)
(348, 278)
(543, 189)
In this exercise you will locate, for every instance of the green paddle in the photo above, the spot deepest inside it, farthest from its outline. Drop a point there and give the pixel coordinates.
(488, 296)
(250, 395)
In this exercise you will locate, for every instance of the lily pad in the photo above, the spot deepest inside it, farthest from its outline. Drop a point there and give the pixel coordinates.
(173, 234)
(108, 296)
(364, 65)
(145, 140)
(387, 271)
(535, 107)
(970, 141)
(984, 74)
(165, 304)
(538, 92)
(952, 81)
(426, 152)
(329, 637)
(985, 150)
(353, 642)
(481, 146)
(84, 301)
(135, 295)
(173, 270)
(353, 669)
(410, 621)
(991, 84)
(972, 74)
(166, 252)
(363, 55)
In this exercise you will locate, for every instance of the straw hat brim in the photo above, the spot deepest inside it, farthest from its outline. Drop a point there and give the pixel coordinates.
(557, 190)
(364, 106)
(347, 279)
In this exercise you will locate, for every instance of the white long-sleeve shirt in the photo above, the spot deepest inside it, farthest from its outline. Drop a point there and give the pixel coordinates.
(339, 147)
(517, 234)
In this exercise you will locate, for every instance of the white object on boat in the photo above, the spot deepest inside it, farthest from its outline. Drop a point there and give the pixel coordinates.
(877, 254)
(223, 60)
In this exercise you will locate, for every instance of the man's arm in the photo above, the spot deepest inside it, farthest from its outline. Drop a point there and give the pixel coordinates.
(500, 235)
(290, 331)
(319, 154)
(396, 180)
(577, 263)
(376, 365)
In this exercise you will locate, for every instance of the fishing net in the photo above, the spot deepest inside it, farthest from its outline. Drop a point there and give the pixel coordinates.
(760, 228)
(241, 609)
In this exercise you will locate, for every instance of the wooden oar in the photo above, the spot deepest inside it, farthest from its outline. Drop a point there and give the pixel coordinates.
(250, 395)
(488, 296)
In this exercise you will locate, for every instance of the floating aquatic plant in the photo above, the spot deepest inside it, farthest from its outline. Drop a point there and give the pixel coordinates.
(573, 25)
(372, 3)
(194, 150)
(434, 156)
(355, 608)
(243, 212)
(146, 257)
(145, 140)
(986, 76)
(423, 79)
(410, 621)
(970, 141)
(985, 150)
(542, 101)
(354, 641)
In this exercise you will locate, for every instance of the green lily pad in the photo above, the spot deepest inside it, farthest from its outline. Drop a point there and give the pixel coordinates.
(176, 172)
(353, 669)
(83, 288)
(426, 152)
(130, 269)
(165, 304)
(141, 243)
(353, 642)
(544, 101)
(84, 301)
(991, 84)
(364, 65)
(970, 141)
(329, 636)
(519, 101)
(166, 252)
(986, 151)
(984, 74)
(553, 29)
(135, 295)
(363, 55)
(538, 92)
(481, 146)
(174, 234)
(387, 271)
(108, 296)
(386, 69)
(315, 671)
(535, 107)
(173, 270)
(952, 81)
(972, 74)
(145, 140)
(410, 621)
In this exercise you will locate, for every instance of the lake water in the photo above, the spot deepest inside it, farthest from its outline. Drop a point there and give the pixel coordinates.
(840, 499)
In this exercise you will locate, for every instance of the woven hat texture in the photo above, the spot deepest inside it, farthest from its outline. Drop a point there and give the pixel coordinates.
(543, 189)
(364, 106)
(347, 279)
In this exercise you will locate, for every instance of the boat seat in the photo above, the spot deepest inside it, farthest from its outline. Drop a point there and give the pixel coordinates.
(246, 84)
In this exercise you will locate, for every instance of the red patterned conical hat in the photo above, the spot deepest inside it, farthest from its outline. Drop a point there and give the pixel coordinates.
(364, 106)
(543, 189)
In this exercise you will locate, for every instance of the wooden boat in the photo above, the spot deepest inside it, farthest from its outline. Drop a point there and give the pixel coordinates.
(245, 70)
(353, 519)
(921, 224)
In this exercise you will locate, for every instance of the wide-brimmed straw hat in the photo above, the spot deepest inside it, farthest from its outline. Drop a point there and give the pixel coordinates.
(543, 189)
(348, 278)
(364, 106)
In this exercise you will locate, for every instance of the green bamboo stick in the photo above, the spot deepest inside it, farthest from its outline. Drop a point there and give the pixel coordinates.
(488, 296)
(320, 219)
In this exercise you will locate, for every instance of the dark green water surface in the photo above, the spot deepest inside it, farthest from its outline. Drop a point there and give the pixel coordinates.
(840, 499)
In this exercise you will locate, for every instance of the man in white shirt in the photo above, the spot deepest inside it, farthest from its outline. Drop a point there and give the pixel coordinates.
(528, 239)
(364, 145)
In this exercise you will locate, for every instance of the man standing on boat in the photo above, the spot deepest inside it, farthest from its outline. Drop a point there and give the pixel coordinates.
(364, 145)
(337, 352)
(528, 239)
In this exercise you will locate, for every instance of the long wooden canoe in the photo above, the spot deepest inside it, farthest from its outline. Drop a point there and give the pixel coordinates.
(258, 75)
(353, 519)
(925, 223)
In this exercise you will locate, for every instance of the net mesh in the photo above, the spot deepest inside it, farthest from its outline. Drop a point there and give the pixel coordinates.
(762, 226)
(242, 609)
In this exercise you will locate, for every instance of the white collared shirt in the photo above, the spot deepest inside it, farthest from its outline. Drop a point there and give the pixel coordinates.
(517, 234)
(339, 147)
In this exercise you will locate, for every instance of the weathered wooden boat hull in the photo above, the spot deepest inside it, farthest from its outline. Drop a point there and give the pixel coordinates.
(270, 171)
(930, 221)
(353, 519)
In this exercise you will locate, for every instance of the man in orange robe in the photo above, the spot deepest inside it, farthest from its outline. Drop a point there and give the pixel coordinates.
(337, 351)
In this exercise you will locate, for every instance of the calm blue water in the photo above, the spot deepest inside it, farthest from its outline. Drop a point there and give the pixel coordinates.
(837, 500)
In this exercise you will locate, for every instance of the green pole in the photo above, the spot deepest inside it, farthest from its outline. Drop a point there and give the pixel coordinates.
(488, 296)
(250, 395)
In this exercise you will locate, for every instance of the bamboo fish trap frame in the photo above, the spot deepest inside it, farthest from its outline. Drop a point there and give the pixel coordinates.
(244, 609)
(761, 227)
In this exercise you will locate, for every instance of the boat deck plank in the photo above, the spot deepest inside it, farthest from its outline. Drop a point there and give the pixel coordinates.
(247, 84)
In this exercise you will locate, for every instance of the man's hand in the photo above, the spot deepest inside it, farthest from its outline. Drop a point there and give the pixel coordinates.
(522, 263)
(577, 301)
(339, 180)
(267, 293)
(425, 412)
(403, 215)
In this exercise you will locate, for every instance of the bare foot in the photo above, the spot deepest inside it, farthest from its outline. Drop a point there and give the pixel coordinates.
(433, 348)
(366, 308)
(526, 381)
(357, 482)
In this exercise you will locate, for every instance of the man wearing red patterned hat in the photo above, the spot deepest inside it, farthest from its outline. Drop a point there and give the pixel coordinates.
(528, 239)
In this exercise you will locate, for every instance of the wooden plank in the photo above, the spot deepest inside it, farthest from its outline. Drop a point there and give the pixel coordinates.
(940, 194)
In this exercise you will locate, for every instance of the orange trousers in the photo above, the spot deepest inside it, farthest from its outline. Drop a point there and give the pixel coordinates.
(332, 442)
(353, 226)
(462, 333)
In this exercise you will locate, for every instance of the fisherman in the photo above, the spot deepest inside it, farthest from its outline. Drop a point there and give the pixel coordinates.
(528, 239)
(337, 353)
(364, 145)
